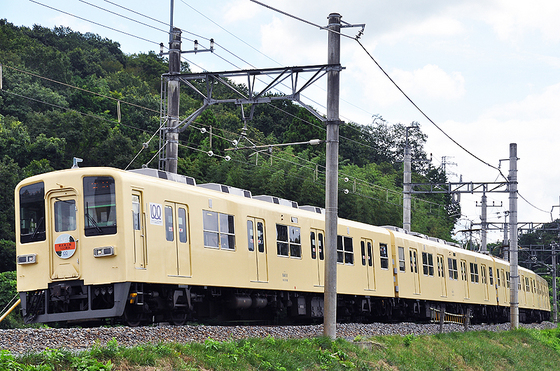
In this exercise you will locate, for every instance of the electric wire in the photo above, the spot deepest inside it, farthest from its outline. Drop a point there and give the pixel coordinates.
(82, 89)
(95, 23)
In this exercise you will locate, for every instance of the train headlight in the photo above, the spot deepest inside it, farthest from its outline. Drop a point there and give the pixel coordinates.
(100, 252)
(27, 259)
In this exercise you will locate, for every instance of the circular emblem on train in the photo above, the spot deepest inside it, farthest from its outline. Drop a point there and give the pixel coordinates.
(65, 246)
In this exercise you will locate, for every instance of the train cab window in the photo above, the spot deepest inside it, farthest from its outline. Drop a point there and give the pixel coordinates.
(491, 275)
(344, 250)
(288, 244)
(182, 225)
(384, 256)
(452, 266)
(428, 264)
(402, 261)
(65, 215)
(32, 213)
(169, 223)
(474, 272)
(100, 206)
(218, 230)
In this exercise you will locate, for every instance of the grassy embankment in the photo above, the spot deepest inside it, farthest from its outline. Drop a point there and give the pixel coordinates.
(511, 350)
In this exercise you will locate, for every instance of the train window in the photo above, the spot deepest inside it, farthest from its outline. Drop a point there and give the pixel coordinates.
(474, 272)
(182, 225)
(65, 215)
(384, 257)
(370, 254)
(288, 245)
(440, 267)
(313, 246)
(100, 206)
(320, 245)
(507, 279)
(227, 233)
(498, 279)
(363, 249)
(250, 237)
(32, 213)
(483, 274)
(527, 288)
(348, 250)
(136, 212)
(402, 262)
(295, 242)
(491, 275)
(452, 266)
(218, 230)
(463, 270)
(428, 264)
(260, 236)
(344, 250)
(339, 250)
(169, 223)
(413, 266)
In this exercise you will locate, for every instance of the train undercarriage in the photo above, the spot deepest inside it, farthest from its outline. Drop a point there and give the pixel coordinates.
(141, 303)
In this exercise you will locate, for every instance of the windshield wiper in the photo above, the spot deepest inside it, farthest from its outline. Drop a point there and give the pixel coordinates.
(92, 221)
(37, 229)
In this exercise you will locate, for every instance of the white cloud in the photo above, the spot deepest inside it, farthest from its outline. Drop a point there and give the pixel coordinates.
(446, 26)
(240, 10)
(512, 19)
(432, 82)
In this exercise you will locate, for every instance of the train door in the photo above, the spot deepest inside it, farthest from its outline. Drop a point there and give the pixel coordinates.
(366, 246)
(413, 254)
(464, 278)
(484, 282)
(441, 275)
(65, 262)
(257, 247)
(138, 226)
(318, 256)
(177, 240)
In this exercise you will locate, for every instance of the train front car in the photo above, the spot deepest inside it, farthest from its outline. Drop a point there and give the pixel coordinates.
(67, 246)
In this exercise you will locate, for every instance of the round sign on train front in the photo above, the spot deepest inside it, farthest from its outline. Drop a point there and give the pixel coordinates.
(65, 246)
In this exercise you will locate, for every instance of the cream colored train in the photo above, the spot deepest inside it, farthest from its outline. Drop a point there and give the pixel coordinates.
(146, 245)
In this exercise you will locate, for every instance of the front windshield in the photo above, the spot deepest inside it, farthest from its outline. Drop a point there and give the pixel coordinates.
(32, 213)
(99, 204)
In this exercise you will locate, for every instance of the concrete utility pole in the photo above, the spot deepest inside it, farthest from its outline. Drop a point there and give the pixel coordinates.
(554, 288)
(173, 95)
(406, 185)
(331, 183)
(514, 272)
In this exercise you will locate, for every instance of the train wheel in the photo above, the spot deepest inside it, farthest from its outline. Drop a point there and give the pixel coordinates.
(178, 317)
(132, 317)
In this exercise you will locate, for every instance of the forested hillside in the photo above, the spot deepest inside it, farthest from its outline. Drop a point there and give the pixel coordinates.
(60, 96)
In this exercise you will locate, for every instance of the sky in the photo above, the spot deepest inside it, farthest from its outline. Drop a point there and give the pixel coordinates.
(486, 72)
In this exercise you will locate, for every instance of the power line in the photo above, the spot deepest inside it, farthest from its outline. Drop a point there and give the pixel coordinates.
(95, 23)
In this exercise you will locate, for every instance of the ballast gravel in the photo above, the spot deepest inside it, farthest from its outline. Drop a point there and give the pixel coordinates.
(31, 340)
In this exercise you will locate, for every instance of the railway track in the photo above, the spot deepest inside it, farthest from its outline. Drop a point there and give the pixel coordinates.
(19, 341)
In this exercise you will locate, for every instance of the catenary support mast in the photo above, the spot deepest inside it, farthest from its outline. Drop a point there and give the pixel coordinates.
(331, 186)
(514, 271)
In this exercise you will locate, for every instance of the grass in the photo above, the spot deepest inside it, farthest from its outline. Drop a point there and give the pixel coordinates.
(510, 350)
